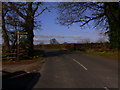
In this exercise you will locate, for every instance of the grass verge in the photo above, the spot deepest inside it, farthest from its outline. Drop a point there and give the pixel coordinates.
(112, 54)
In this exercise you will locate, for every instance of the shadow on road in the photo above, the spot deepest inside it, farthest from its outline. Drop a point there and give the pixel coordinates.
(19, 79)
(52, 53)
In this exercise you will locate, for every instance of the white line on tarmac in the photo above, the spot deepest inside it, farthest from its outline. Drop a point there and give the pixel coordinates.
(80, 64)
(106, 88)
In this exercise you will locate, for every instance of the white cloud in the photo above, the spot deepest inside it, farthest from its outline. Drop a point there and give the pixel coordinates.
(56, 36)
(73, 30)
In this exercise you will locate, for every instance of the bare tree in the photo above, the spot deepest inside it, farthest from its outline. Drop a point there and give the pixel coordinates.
(54, 41)
(105, 15)
(86, 40)
(101, 40)
(27, 12)
(41, 42)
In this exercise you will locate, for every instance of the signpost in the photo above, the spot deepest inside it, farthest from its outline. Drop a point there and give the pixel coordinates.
(18, 42)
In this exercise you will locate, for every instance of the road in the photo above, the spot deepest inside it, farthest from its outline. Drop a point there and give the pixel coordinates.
(74, 70)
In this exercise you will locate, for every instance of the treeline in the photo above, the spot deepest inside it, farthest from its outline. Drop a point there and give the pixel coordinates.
(75, 46)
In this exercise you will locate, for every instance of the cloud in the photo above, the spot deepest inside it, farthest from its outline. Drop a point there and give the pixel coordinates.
(36, 39)
(60, 36)
(50, 36)
(44, 36)
(73, 30)
(56, 36)
(41, 40)
(75, 36)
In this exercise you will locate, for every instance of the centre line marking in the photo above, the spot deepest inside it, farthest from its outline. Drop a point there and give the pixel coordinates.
(106, 88)
(80, 64)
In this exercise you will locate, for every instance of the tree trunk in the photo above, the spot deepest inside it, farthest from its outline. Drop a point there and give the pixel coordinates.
(30, 36)
(112, 11)
(5, 36)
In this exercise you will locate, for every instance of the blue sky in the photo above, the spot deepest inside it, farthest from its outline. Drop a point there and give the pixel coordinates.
(50, 29)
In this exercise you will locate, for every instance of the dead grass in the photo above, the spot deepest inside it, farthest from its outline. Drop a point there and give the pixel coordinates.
(8, 62)
(23, 65)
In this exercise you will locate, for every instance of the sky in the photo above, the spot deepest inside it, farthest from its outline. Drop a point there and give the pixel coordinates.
(50, 29)
(73, 34)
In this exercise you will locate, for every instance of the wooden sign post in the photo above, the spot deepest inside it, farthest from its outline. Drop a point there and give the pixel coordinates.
(18, 42)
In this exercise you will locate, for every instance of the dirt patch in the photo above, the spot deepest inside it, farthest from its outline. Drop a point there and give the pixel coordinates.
(24, 65)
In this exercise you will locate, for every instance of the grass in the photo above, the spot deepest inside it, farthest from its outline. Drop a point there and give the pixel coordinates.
(112, 54)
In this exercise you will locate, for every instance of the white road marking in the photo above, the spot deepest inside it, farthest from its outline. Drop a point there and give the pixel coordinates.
(106, 88)
(80, 64)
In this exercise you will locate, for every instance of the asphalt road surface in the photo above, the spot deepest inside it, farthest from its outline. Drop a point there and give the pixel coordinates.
(74, 70)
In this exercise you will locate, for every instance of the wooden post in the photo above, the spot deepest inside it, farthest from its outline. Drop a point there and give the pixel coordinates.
(18, 46)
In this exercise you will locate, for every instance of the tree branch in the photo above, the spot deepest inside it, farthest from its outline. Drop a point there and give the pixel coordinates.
(15, 9)
(93, 18)
(41, 12)
(36, 7)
